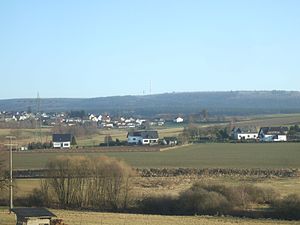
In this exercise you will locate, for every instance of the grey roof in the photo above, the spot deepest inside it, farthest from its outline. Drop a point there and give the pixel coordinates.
(244, 130)
(170, 138)
(61, 137)
(147, 134)
(274, 130)
(33, 212)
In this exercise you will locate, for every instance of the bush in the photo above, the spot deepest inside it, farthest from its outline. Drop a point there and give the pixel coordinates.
(288, 207)
(198, 200)
(36, 198)
(39, 145)
(206, 199)
(161, 204)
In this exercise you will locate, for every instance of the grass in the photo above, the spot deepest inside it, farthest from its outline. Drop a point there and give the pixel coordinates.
(97, 218)
(216, 155)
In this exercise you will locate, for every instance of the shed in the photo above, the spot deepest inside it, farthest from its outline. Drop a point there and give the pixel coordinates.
(33, 216)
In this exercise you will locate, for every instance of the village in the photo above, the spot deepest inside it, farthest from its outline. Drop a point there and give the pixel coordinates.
(80, 117)
(140, 131)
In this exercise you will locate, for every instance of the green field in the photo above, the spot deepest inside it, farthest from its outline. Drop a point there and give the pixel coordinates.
(96, 218)
(217, 155)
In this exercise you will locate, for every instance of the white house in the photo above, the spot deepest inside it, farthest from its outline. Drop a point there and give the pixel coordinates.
(273, 134)
(178, 120)
(62, 140)
(142, 137)
(93, 118)
(244, 134)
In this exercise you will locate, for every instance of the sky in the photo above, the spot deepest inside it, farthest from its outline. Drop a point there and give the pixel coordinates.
(70, 48)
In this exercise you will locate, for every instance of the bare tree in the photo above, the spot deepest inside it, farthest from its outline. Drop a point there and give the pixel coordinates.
(84, 182)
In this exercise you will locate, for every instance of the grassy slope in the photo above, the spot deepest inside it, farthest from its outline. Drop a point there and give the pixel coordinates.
(276, 155)
(94, 218)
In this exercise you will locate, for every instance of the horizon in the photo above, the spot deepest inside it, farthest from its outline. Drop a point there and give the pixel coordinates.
(174, 92)
(80, 50)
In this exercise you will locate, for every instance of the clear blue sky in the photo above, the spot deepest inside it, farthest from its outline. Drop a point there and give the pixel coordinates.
(63, 48)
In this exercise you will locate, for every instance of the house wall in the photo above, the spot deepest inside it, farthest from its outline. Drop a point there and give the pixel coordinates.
(139, 139)
(149, 141)
(281, 138)
(275, 138)
(38, 221)
(32, 221)
(247, 136)
(134, 139)
(267, 138)
(62, 144)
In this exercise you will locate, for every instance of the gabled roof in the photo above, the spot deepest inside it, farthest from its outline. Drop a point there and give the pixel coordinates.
(274, 130)
(147, 134)
(244, 130)
(33, 212)
(170, 138)
(61, 137)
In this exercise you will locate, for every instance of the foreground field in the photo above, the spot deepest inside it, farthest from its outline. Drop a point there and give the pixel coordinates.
(147, 186)
(95, 218)
(218, 155)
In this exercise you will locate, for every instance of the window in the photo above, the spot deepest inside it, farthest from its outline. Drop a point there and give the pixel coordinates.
(146, 141)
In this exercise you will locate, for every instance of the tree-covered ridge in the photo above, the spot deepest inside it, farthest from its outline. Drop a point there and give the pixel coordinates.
(230, 103)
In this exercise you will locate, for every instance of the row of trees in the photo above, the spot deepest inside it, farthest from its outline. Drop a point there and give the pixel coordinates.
(81, 182)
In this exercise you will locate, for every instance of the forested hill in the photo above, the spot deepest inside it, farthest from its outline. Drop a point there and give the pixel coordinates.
(229, 103)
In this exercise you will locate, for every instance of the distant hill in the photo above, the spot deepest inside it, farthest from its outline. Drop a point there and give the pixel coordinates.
(225, 103)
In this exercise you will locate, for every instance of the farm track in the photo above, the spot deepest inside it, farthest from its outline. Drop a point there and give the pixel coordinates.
(97, 149)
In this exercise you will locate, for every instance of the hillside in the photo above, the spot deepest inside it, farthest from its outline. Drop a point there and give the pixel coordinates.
(225, 103)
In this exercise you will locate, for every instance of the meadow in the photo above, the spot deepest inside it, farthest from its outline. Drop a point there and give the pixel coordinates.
(97, 218)
(211, 155)
(25, 136)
